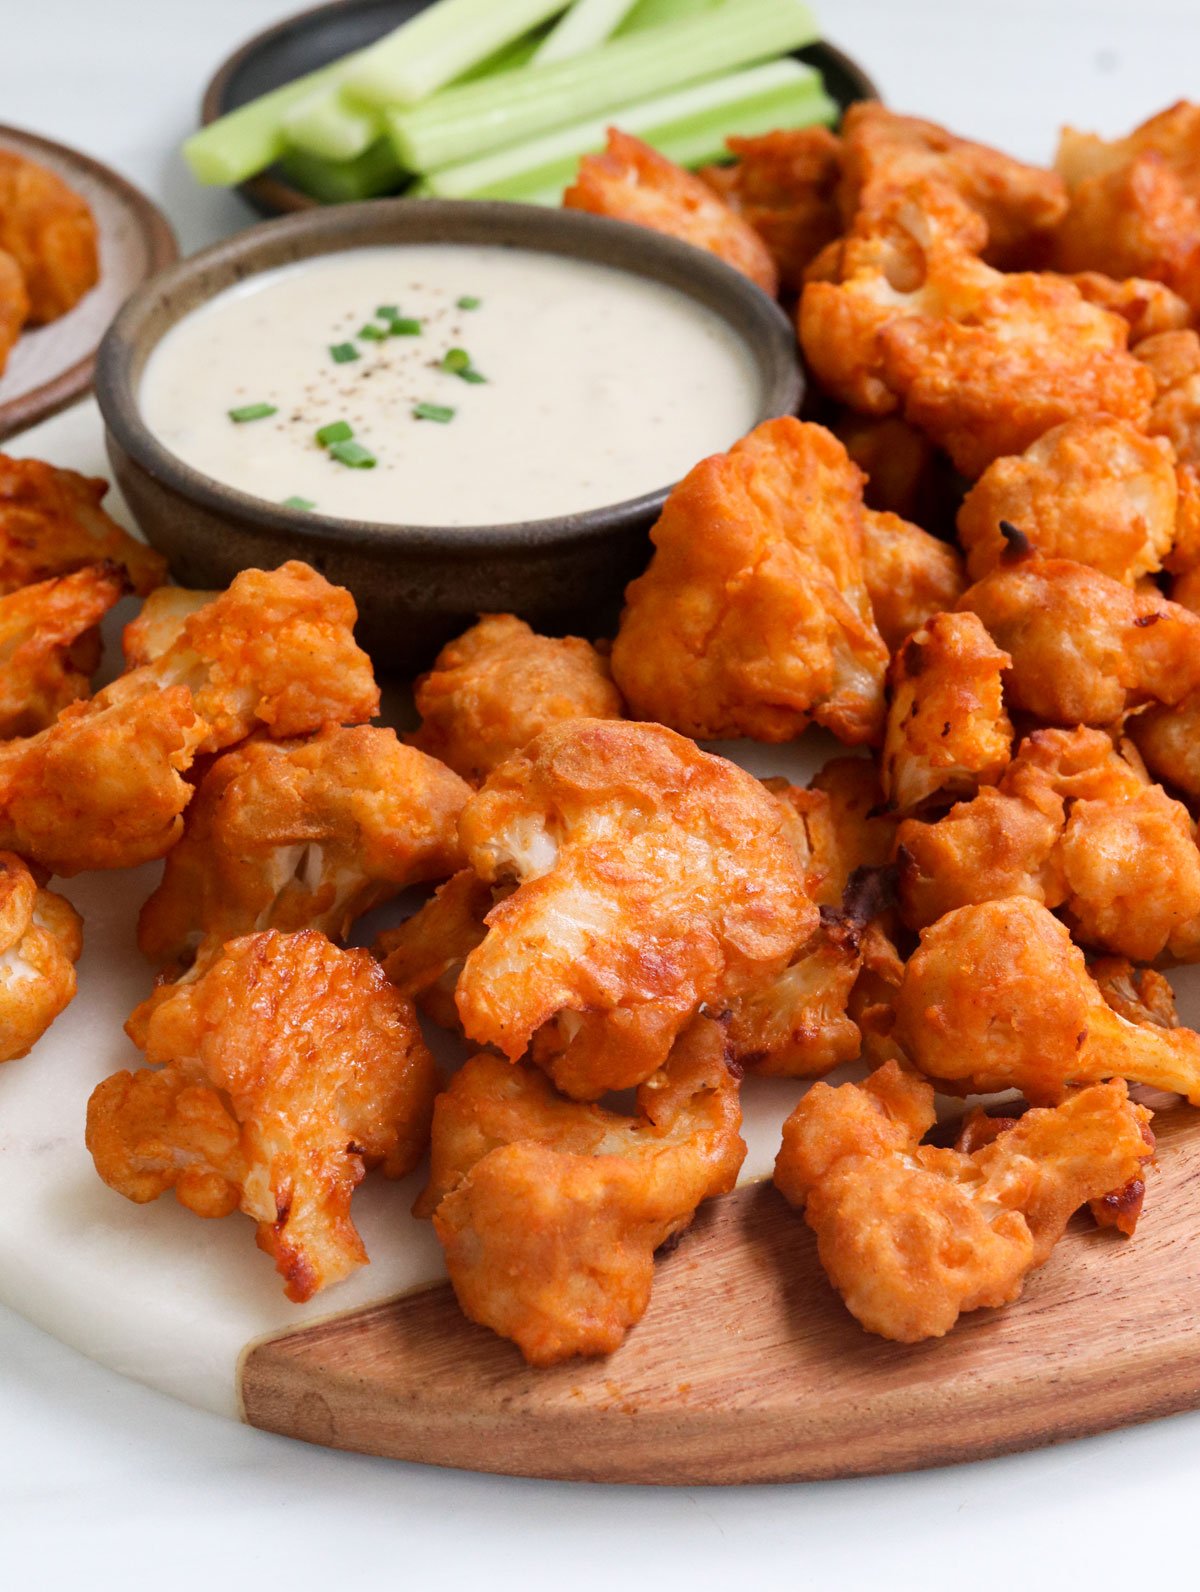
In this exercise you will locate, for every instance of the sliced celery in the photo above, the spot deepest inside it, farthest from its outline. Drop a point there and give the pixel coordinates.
(653, 13)
(328, 124)
(689, 126)
(371, 174)
(506, 59)
(519, 106)
(585, 25)
(439, 44)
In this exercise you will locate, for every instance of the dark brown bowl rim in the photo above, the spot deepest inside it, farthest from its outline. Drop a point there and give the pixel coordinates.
(639, 250)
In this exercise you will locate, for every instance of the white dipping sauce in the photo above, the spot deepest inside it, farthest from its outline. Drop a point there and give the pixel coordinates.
(600, 385)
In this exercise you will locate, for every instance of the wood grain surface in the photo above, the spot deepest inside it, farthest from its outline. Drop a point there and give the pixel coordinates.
(747, 1368)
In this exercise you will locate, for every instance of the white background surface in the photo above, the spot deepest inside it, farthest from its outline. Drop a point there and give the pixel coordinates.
(104, 1484)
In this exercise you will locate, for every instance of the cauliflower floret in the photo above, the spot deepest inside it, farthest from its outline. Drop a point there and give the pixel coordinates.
(785, 185)
(909, 575)
(50, 232)
(632, 182)
(947, 731)
(902, 467)
(1173, 360)
(303, 835)
(1169, 740)
(41, 936)
(838, 826)
(424, 955)
(49, 645)
(498, 684)
(997, 996)
(1146, 307)
(51, 523)
(1093, 490)
(160, 622)
(550, 1212)
(277, 1076)
(912, 1236)
(653, 879)
(754, 617)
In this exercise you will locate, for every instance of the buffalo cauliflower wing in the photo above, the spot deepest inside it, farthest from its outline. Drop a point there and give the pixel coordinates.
(497, 685)
(50, 232)
(49, 645)
(275, 1079)
(303, 835)
(754, 617)
(909, 575)
(1146, 307)
(632, 182)
(947, 731)
(160, 622)
(550, 1212)
(424, 955)
(14, 306)
(652, 879)
(51, 523)
(41, 936)
(913, 1236)
(900, 463)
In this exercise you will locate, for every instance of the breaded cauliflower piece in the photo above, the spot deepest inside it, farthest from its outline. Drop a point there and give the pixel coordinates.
(997, 996)
(754, 617)
(886, 155)
(1135, 202)
(983, 362)
(909, 575)
(275, 651)
(41, 937)
(1169, 739)
(160, 623)
(303, 835)
(550, 1212)
(1173, 360)
(424, 955)
(1092, 490)
(103, 787)
(51, 233)
(947, 731)
(1085, 649)
(1076, 825)
(51, 523)
(499, 684)
(632, 182)
(912, 1236)
(14, 306)
(49, 645)
(275, 1078)
(1146, 307)
(902, 467)
(839, 825)
(784, 184)
(653, 879)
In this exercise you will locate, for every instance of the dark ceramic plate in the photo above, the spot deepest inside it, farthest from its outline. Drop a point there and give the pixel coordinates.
(312, 39)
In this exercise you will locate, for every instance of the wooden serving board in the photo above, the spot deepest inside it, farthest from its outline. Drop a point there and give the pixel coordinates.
(747, 1368)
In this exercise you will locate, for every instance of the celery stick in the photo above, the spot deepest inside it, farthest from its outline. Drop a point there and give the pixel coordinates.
(518, 53)
(439, 44)
(518, 106)
(329, 125)
(653, 13)
(689, 126)
(241, 143)
(586, 24)
(369, 175)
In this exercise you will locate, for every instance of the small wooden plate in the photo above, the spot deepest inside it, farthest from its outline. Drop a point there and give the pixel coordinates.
(52, 365)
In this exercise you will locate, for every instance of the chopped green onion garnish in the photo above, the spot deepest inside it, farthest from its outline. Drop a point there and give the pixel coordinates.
(457, 362)
(373, 334)
(298, 503)
(475, 377)
(404, 326)
(469, 303)
(252, 412)
(335, 431)
(388, 312)
(343, 353)
(353, 454)
(442, 413)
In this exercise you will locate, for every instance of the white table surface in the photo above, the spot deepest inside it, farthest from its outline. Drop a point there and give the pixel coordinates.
(104, 1484)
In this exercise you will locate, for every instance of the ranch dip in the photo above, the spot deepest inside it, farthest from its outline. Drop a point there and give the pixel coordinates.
(447, 384)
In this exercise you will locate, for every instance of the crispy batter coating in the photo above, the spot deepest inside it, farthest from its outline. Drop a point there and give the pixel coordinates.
(1147, 307)
(1085, 648)
(41, 936)
(632, 182)
(1076, 825)
(550, 1211)
(997, 996)
(840, 825)
(899, 462)
(1092, 490)
(983, 362)
(909, 575)
(785, 185)
(14, 306)
(49, 645)
(947, 731)
(103, 786)
(1173, 360)
(160, 623)
(1135, 202)
(274, 651)
(887, 155)
(1169, 740)
(497, 685)
(276, 1078)
(653, 879)
(303, 835)
(424, 955)
(912, 1236)
(51, 233)
(754, 617)
(51, 523)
